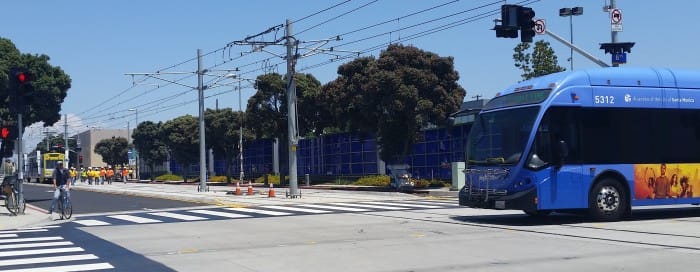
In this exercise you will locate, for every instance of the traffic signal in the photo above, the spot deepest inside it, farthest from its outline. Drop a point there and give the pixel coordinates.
(20, 89)
(5, 133)
(80, 158)
(526, 23)
(509, 22)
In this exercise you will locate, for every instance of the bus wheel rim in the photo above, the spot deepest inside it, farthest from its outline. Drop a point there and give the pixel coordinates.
(608, 199)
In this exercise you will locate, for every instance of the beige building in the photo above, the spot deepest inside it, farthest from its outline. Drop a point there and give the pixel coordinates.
(89, 138)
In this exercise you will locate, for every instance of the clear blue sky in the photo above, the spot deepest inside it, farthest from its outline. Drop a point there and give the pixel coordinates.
(97, 42)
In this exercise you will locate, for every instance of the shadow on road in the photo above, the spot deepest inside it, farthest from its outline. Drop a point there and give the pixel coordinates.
(685, 214)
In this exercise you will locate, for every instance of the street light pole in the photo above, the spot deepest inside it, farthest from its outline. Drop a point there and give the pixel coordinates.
(240, 132)
(571, 12)
(137, 153)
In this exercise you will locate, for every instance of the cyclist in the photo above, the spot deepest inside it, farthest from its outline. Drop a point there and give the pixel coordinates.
(60, 181)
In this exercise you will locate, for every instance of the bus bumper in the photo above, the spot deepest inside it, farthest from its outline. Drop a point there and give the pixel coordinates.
(524, 200)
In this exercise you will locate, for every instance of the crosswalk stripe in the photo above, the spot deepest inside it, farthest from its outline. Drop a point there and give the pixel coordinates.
(13, 246)
(248, 210)
(135, 219)
(9, 235)
(66, 268)
(221, 214)
(35, 239)
(403, 205)
(334, 208)
(91, 222)
(370, 206)
(431, 202)
(39, 251)
(178, 216)
(55, 259)
(23, 231)
(294, 209)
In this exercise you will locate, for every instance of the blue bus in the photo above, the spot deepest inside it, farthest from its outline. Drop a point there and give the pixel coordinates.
(601, 141)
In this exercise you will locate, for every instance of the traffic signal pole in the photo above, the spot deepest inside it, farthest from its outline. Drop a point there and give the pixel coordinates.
(578, 50)
(202, 146)
(291, 112)
(20, 164)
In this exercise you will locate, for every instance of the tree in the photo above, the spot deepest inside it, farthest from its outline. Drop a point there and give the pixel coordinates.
(50, 83)
(113, 151)
(394, 96)
(151, 148)
(181, 135)
(542, 60)
(222, 134)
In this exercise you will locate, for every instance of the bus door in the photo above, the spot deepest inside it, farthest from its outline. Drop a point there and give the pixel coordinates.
(561, 173)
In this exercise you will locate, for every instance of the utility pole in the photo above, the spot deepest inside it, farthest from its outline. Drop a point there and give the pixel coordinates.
(613, 34)
(65, 139)
(240, 132)
(202, 149)
(20, 163)
(291, 111)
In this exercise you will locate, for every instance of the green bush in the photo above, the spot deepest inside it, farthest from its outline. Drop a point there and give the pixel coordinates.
(382, 181)
(169, 177)
(421, 183)
(221, 179)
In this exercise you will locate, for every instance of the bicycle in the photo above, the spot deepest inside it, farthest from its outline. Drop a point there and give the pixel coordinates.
(12, 201)
(65, 207)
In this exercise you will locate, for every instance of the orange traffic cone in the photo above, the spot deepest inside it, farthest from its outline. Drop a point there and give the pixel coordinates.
(250, 188)
(238, 188)
(271, 193)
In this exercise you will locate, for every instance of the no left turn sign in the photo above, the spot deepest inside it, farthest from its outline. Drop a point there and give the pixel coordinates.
(616, 16)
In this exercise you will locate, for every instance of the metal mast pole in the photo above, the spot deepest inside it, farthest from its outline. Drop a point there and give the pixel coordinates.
(20, 163)
(202, 149)
(613, 34)
(291, 111)
(66, 152)
(240, 132)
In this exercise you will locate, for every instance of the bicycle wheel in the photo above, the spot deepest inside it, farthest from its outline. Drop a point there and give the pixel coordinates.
(67, 210)
(60, 206)
(11, 203)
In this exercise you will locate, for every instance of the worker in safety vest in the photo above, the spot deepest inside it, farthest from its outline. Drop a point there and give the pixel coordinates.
(103, 175)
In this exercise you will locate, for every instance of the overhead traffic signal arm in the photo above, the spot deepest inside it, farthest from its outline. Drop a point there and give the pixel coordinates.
(514, 18)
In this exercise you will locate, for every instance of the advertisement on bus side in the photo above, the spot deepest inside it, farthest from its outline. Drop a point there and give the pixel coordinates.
(659, 181)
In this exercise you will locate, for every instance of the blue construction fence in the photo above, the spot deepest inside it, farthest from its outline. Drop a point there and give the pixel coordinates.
(350, 154)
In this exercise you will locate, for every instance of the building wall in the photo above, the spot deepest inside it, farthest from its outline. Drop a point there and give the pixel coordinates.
(89, 138)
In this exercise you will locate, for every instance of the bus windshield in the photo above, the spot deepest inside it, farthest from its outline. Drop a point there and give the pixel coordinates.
(500, 137)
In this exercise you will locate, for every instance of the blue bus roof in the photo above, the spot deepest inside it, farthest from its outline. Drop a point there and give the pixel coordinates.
(613, 76)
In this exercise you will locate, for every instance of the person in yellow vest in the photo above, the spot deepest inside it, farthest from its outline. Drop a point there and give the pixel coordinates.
(72, 174)
(83, 175)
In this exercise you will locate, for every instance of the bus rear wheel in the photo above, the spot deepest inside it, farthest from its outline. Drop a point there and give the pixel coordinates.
(608, 201)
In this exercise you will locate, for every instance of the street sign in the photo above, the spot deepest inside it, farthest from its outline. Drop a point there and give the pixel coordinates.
(619, 58)
(616, 16)
(616, 27)
(539, 27)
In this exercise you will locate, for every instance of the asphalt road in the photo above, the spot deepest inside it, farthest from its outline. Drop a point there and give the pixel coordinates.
(86, 202)
(457, 239)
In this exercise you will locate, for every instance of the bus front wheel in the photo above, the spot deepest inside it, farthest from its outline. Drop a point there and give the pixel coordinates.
(608, 201)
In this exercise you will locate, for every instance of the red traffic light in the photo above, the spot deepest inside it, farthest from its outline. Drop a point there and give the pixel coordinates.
(5, 132)
(21, 77)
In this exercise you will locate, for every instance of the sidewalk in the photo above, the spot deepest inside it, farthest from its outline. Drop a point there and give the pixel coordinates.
(223, 195)
(32, 217)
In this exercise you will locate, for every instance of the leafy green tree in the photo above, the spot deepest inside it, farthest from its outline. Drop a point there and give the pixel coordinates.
(222, 134)
(50, 84)
(541, 61)
(149, 145)
(181, 135)
(394, 96)
(113, 151)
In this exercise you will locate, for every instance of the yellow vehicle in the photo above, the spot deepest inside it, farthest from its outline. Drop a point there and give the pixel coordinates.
(41, 169)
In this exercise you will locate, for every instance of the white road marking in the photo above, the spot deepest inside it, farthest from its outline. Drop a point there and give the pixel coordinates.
(66, 268)
(23, 231)
(294, 209)
(39, 251)
(12, 235)
(403, 205)
(370, 206)
(12, 246)
(19, 240)
(259, 211)
(179, 216)
(91, 222)
(48, 259)
(221, 214)
(334, 208)
(135, 219)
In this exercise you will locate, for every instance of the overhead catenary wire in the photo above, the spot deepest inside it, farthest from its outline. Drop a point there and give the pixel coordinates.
(336, 17)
